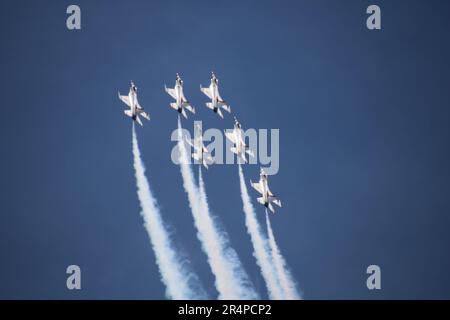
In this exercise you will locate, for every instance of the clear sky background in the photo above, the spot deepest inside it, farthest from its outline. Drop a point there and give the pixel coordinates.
(364, 156)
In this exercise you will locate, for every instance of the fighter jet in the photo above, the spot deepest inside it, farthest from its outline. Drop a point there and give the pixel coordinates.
(131, 100)
(237, 137)
(200, 151)
(212, 92)
(181, 101)
(267, 196)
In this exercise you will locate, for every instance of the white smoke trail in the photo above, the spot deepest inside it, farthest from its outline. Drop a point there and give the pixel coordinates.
(231, 281)
(181, 284)
(286, 281)
(261, 250)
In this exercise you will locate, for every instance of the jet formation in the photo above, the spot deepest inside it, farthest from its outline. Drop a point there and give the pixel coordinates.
(201, 153)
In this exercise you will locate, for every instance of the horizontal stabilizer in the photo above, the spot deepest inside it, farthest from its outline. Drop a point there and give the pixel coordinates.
(250, 152)
(208, 158)
(138, 120)
(219, 113)
(243, 157)
(205, 164)
(128, 113)
(225, 106)
(277, 202)
(144, 115)
(188, 107)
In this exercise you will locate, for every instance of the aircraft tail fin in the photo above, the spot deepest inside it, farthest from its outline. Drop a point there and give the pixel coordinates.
(210, 105)
(234, 150)
(174, 105)
(271, 207)
(128, 113)
(183, 112)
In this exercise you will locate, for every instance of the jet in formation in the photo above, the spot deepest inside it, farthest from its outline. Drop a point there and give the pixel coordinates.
(212, 92)
(268, 198)
(181, 103)
(131, 101)
(237, 138)
(200, 151)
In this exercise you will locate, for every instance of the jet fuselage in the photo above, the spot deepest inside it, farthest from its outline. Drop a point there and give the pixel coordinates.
(179, 93)
(265, 192)
(215, 94)
(133, 102)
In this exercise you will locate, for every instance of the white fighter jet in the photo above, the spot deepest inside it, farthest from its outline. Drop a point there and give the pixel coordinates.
(212, 92)
(200, 151)
(131, 100)
(267, 196)
(177, 93)
(237, 137)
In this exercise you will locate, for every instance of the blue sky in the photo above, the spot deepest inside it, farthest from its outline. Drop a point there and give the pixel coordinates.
(363, 118)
